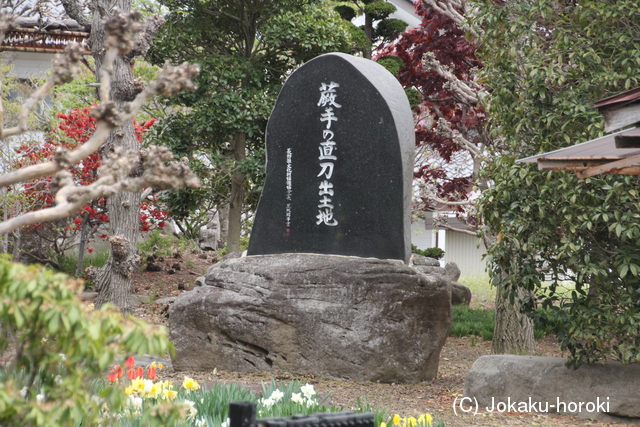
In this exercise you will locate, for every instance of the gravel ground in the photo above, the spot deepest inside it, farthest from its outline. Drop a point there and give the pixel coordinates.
(435, 397)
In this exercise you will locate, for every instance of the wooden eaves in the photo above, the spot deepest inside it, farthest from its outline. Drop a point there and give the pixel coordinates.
(617, 153)
(52, 38)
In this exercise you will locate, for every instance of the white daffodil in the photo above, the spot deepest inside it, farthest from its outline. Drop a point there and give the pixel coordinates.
(135, 401)
(267, 402)
(191, 408)
(276, 395)
(297, 398)
(307, 390)
(24, 392)
(226, 423)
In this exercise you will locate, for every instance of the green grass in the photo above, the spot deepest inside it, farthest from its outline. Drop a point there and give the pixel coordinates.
(482, 293)
(69, 262)
(159, 244)
(472, 321)
(480, 322)
(162, 245)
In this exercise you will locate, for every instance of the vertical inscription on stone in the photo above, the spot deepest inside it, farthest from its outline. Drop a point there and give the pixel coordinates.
(340, 152)
(327, 157)
(289, 190)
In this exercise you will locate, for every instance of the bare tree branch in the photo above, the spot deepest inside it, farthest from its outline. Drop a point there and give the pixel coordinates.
(115, 175)
(444, 129)
(447, 226)
(75, 11)
(8, 22)
(143, 43)
(450, 9)
(468, 91)
(159, 171)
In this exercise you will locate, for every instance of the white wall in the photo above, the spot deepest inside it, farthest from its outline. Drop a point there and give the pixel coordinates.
(421, 237)
(28, 64)
(463, 249)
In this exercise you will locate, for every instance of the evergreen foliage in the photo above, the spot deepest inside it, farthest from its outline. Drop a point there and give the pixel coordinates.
(61, 348)
(547, 63)
(245, 50)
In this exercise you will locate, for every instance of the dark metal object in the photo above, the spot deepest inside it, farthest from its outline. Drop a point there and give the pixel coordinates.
(243, 414)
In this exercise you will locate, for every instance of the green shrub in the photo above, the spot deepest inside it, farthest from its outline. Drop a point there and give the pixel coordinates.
(379, 9)
(414, 96)
(346, 12)
(389, 29)
(391, 63)
(357, 36)
(436, 253)
(61, 348)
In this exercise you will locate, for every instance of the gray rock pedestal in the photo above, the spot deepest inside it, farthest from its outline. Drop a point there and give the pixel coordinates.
(606, 392)
(360, 319)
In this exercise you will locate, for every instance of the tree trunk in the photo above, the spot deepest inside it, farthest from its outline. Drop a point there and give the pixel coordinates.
(5, 214)
(368, 32)
(17, 241)
(83, 242)
(237, 194)
(114, 280)
(513, 331)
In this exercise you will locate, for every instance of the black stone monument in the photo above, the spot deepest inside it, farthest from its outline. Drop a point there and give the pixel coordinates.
(340, 150)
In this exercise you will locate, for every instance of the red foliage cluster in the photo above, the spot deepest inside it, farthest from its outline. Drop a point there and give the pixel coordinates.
(151, 214)
(74, 129)
(441, 36)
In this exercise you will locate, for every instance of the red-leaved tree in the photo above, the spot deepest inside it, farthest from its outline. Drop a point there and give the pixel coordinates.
(44, 240)
(441, 63)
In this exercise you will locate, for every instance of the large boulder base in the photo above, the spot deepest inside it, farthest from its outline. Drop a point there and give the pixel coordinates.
(360, 319)
(460, 294)
(509, 378)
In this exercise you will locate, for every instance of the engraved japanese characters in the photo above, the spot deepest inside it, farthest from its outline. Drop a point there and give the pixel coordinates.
(340, 149)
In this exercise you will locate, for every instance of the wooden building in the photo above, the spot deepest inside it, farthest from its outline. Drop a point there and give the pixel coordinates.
(32, 47)
(617, 153)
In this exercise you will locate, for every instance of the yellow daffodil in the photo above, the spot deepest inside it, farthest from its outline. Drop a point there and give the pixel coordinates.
(396, 420)
(429, 419)
(411, 422)
(169, 394)
(155, 390)
(137, 384)
(383, 424)
(190, 384)
(129, 390)
(166, 384)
